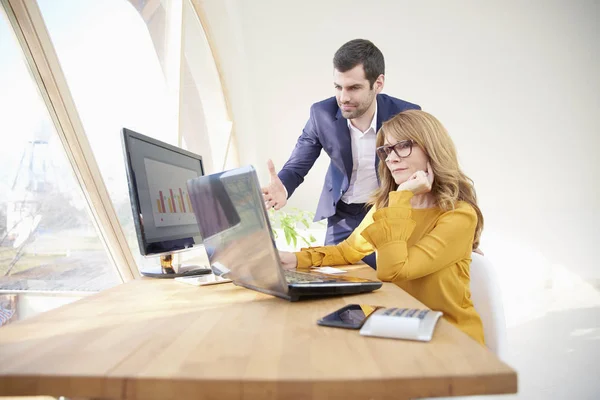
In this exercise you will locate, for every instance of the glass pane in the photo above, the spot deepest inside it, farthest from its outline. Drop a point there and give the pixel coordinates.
(47, 239)
(205, 123)
(116, 81)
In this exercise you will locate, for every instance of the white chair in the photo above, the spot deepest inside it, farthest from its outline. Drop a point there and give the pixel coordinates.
(487, 299)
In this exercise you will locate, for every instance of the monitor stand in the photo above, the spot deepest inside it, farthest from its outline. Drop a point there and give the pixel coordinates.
(168, 272)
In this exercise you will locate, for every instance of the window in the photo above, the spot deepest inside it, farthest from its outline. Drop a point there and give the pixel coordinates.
(48, 241)
(116, 80)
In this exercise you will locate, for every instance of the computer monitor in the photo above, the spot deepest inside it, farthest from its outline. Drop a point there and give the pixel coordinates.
(157, 175)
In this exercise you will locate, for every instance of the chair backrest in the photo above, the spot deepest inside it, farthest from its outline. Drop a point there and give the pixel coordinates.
(487, 299)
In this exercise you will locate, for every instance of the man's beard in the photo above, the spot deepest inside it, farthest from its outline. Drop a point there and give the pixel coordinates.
(359, 111)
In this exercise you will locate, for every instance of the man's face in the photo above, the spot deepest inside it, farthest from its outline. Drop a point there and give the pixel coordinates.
(353, 92)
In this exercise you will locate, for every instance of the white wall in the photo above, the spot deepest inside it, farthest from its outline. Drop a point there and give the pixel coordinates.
(516, 84)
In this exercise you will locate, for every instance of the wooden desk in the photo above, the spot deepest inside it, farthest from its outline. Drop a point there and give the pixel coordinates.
(160, 339)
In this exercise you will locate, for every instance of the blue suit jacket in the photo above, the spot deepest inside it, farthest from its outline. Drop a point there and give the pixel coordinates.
(327, 129)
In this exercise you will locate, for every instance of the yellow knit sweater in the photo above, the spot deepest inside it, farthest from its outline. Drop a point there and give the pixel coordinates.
(426, 252)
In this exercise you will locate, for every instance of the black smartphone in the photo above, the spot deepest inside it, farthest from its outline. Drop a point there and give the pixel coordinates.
(352, 316)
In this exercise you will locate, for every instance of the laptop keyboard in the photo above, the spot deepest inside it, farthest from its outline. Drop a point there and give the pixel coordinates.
(300, 277)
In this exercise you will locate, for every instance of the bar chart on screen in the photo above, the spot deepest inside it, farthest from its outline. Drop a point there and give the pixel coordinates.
(170, 200)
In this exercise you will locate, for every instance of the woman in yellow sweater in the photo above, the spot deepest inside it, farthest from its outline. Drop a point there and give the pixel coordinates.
(424, 222)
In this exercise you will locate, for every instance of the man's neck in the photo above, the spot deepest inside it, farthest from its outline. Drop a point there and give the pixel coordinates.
(364, 121)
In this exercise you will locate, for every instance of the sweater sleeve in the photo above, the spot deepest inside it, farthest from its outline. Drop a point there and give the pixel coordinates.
(447, 242)
(350, 251)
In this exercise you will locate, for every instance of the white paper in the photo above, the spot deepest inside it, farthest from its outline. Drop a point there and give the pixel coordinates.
(202, 280)
(329, 270)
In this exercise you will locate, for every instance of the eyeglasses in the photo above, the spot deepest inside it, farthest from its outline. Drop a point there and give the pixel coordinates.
(402, 149)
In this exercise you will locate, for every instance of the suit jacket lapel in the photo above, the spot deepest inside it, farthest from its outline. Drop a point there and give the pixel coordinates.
(343, 135)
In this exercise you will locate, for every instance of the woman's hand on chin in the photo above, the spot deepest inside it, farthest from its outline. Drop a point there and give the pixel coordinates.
(419, 183)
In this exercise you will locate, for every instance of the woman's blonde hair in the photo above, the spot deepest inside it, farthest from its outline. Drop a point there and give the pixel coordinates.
(450, 184)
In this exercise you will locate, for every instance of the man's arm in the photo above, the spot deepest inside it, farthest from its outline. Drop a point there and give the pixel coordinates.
(306, 152)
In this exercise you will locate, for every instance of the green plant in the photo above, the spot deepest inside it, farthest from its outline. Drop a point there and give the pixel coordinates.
(288, 222)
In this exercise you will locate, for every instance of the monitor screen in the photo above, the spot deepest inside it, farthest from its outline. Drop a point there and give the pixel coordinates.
(157, 175)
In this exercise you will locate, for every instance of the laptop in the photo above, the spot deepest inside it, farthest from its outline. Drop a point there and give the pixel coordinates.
(237, 236)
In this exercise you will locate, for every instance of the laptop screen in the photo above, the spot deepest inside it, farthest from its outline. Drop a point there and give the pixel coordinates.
(235, 229)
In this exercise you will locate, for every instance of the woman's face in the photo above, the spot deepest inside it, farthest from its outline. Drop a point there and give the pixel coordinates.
(402, 168)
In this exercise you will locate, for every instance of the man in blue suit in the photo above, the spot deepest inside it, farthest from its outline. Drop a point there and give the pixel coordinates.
(345, 126)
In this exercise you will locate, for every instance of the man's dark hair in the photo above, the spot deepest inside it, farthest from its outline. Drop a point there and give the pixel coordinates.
(360, 51)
